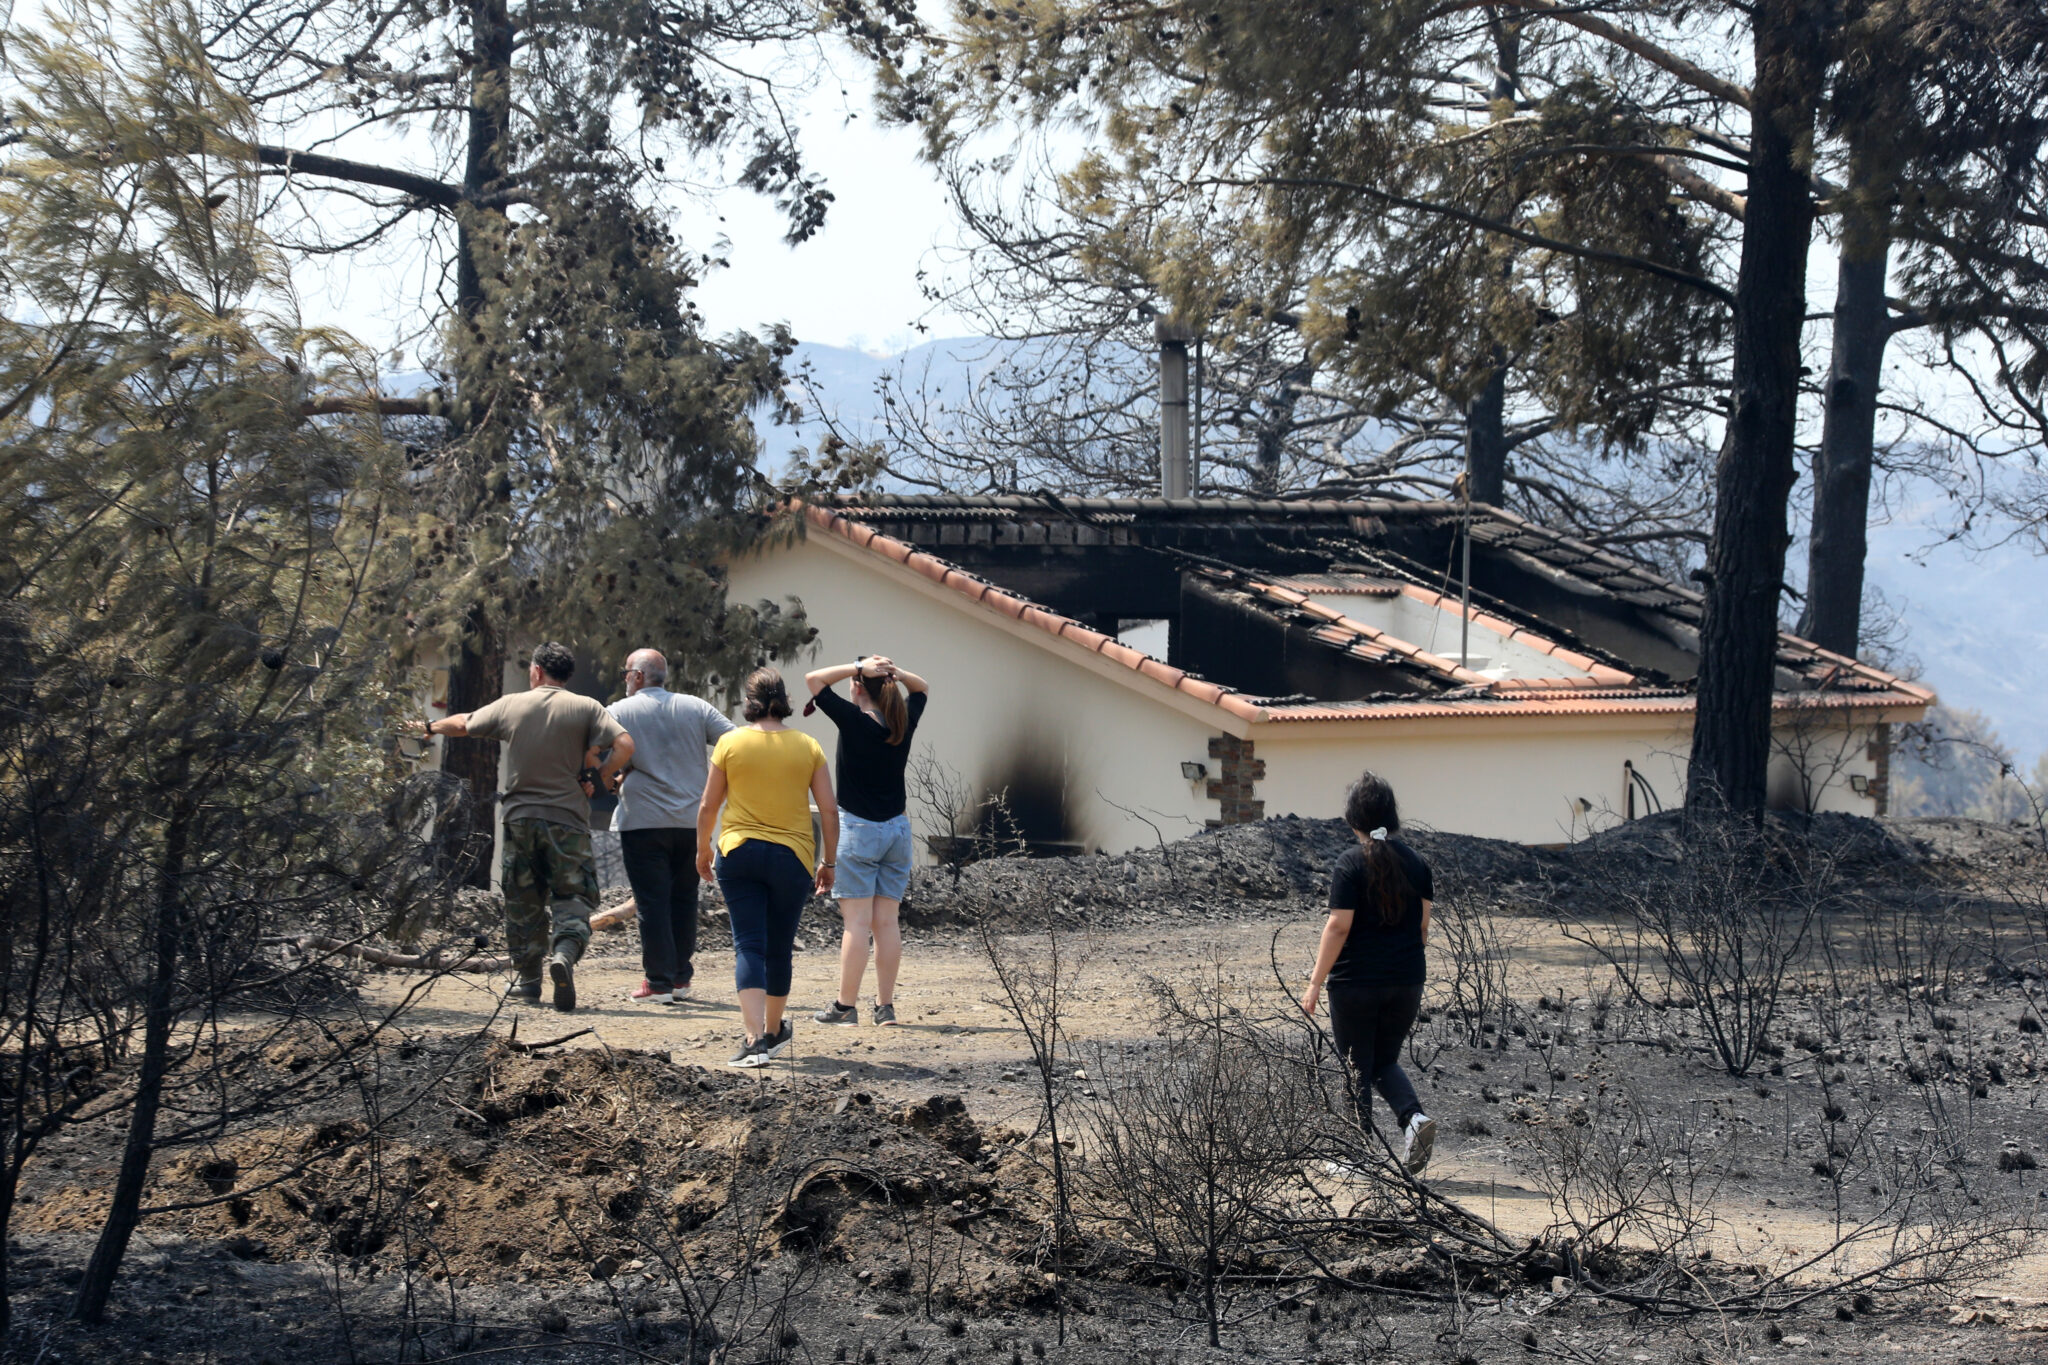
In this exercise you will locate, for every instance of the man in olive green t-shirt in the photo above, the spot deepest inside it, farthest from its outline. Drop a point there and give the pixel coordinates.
(551, 737)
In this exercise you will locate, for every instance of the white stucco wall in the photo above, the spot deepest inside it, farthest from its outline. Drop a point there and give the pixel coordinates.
(1003, 691)
(1525, 780)
(1502, 778)
(998, 694)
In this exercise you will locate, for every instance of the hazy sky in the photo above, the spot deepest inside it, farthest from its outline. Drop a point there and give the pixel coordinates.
(853, 284)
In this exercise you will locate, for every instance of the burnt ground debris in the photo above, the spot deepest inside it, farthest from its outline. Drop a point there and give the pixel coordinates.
(622, 1203)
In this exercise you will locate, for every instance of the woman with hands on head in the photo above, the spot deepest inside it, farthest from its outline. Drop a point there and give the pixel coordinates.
(1371, 956)
(765, 861)
(875, 730)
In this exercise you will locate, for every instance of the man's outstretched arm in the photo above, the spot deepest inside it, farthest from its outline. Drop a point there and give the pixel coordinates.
(455, 727)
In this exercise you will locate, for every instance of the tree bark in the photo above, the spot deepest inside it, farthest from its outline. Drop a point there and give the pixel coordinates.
(1730, 759)
(1276, 420)
(479, 672)
(1486, 437)
(159, 1013)
(477, 678)
(1842, 471)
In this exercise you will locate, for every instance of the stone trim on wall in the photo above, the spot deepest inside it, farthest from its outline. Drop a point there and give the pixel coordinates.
(1880, 755)
(1236, 770)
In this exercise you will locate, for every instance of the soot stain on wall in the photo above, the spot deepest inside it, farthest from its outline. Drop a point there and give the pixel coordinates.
(1025, 797)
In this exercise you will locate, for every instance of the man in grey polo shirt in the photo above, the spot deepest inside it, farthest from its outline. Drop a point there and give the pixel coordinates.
(657, 818)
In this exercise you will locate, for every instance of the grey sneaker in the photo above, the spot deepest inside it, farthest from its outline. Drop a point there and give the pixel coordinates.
(523, 992)
(778, 1040)
(837, 1013)
(564, 978)
(1419, 1141)
(885, 1014)
(751, 1054)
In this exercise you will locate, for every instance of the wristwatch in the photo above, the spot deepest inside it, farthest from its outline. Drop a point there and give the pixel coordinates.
(428, 723)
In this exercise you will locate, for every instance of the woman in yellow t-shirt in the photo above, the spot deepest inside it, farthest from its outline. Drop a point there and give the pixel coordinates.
(760, 775)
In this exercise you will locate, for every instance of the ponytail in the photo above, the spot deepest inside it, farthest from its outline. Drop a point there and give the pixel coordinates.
(1370, 809)
(888, 699)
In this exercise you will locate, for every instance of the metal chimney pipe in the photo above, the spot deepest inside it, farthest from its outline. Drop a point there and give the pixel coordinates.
(1176, 472)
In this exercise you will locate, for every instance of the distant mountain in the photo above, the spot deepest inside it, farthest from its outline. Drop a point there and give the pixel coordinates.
(843, 383)
(1974, 621)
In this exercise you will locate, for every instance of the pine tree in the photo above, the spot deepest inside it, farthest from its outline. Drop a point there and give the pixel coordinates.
(205, 573)
(591, 453)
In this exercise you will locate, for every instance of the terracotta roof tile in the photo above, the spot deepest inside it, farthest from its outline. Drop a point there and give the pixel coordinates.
(1532, 707)
(1052, 623)
(1601, 674)
(1377, 644)
(1609, 692)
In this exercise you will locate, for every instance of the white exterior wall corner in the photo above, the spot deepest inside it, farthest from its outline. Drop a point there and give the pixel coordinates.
(1005, 695)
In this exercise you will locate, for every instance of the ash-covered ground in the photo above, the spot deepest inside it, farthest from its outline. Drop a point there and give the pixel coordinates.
(889, 1193)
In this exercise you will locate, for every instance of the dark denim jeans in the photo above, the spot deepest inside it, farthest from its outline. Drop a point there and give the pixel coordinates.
(661, 865)
(1370, 1023)
(765, 888)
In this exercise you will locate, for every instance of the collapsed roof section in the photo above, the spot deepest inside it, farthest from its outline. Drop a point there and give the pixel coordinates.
(1321, 610)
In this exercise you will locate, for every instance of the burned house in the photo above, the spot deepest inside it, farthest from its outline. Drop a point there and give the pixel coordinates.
(1120, 671)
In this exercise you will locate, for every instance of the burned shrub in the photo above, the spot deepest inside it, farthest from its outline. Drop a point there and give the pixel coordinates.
(1718, 926)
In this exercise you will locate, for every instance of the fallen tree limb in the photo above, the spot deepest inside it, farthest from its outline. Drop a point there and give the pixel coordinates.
(383, 957)
(517, 1046)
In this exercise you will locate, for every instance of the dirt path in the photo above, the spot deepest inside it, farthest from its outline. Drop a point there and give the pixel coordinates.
(954, 1039)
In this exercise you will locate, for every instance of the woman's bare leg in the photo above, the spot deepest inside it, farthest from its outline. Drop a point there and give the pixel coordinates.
(772, 1007)
(857, 914)
(888, 932)
(754, 1013)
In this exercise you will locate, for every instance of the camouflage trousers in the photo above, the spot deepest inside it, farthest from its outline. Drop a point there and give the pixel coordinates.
(550, 884)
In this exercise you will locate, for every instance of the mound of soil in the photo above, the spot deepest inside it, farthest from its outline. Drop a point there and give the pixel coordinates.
(607, 1166)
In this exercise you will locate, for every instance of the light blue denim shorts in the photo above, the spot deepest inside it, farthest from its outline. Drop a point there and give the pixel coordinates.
(874, 858)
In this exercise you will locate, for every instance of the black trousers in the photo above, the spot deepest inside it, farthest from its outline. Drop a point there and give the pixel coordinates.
(661, 866)
(1370, 1023)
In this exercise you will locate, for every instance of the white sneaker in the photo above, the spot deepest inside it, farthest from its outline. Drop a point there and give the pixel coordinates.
(1344, 1170)
(678, 995)
(1418, 1142)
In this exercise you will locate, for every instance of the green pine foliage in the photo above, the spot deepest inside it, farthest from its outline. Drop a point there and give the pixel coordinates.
(206, 550)
(590, 458)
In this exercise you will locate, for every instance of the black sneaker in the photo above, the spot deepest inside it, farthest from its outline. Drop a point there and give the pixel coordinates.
(751, 1054)
(564, 978)
(838, 1014)
(778, 1040)
(523, 992)
(885, 1014)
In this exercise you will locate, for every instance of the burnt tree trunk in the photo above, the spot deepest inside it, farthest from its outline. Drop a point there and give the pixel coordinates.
(1486, 437)
(1842, 470)
(1745, 572)
(478, 675)
(477, 678)
(1275, 421)
(159, 1014)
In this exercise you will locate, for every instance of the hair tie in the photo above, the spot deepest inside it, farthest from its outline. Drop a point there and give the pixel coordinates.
(1379, 834)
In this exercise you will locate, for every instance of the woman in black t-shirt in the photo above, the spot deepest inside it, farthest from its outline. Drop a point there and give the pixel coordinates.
(1371, 956)
(875, 730)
